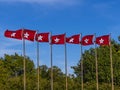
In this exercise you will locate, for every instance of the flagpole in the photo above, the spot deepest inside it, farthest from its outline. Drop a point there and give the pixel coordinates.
(96, 64)
(66, 84)
(24, 61)
(51, 61)
(38, 70)
(111, 63)
(81, 66)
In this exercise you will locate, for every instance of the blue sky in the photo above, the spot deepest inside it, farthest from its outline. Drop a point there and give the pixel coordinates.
(57, 16)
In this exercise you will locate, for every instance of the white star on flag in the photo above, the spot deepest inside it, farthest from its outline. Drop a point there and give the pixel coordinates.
(71, 40)
(26, 35)
(13, 34)
(40, 37)
(101, 40)
(57, 40)
(86, 40)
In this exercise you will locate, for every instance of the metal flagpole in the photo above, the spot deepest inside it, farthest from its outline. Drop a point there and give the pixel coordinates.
(51, 63)
(111, 63)
(24, 61)
(38, 70)
(66, 84)
(96, 64)
(81, 66)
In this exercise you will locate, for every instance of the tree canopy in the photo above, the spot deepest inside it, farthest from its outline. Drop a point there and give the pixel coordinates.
(11, 72)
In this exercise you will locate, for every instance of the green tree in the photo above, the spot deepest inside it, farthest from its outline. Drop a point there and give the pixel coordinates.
(104, 72)
(11, 69)
(119, 38)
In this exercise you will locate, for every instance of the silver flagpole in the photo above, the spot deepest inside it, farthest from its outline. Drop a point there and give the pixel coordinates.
(38, 70)
(51, 61)
(111, 63)
(66, 84)
(96, 64)
(24, 61)
(81, 66)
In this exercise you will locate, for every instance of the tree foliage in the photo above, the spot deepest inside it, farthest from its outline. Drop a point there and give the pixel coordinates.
(11, 72)
(119, 38)
(104, 68)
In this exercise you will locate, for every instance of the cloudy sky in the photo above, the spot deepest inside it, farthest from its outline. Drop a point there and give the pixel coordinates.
(57, 16)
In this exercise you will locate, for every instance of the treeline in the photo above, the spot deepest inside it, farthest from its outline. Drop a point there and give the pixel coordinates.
(104, 68)
(11, 72)
(11, 75)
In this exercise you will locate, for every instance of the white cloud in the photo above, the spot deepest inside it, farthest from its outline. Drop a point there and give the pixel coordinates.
(43, 1)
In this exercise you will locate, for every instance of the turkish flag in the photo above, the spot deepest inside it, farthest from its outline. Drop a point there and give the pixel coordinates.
(29, 34)
(103, 40)
(42, 37)
(87, 40)
(13, 34)
(58, 39)
(73, 39)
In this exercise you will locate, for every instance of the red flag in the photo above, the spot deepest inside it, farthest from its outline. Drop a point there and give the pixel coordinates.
(29, 34)
(13, 34)
(58, 39)
(73, 39)
(103, 40)
(42, 37)
(87, 40)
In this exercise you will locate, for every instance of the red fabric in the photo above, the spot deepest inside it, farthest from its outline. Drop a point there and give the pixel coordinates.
(87, 40)
(42, 37)
(73, 39)
(103, 40)
(58, 39)
(29, 34)
(13, 34)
